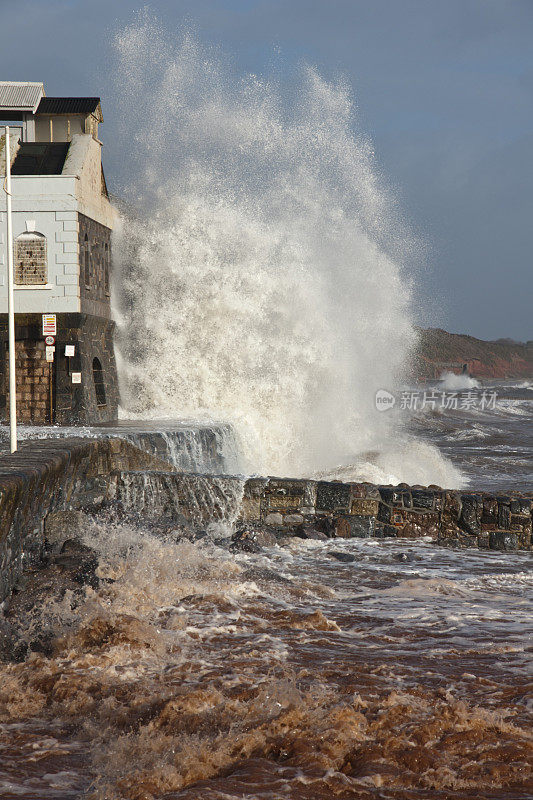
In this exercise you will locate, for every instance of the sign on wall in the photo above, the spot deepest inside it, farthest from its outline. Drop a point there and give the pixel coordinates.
(49, 325)
(70, 350)
(76, 377)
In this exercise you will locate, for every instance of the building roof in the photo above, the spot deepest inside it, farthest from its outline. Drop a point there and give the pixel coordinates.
(70, 105)
(40, 158)
(19, 96)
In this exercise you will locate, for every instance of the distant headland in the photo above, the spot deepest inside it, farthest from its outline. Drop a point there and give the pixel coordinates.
(439, 351)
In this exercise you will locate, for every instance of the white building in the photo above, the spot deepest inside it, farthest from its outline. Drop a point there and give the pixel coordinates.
(62, 223)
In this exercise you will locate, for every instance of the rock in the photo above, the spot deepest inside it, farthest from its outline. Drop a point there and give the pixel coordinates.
(324, 524)
(407, 500)
(274, 519)
(465, 540)
(333, 496)
(364, 507)
(504, 514)
(384, 513)
(181, 520)
(74, 546)
(423, 498)
(347, 558)
(7, 644)
(386, 531)
(286, 541)
(403, 557)
(188, 535)
(245, 546)
(292, 520)
(520, 506)
(252, 540)
(63, 525)
(308, 532)
(387, 494)
(263, 574)
(80, 561)
(223, 541)
(470, 519)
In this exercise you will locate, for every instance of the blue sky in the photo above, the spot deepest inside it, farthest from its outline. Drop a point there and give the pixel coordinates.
(443, 87)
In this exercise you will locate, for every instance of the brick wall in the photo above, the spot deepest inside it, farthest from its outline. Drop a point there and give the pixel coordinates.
(33, 383)
(73, 403)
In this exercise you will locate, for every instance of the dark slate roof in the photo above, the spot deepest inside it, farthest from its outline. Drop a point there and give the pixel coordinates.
(68, 105)
(40, 158)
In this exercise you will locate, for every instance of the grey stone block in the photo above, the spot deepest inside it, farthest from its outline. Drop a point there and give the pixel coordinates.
(356, 527)
(333, 496)
(503, 540)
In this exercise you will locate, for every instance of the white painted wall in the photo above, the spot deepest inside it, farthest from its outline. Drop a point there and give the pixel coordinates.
(84, 159)
(51, 204)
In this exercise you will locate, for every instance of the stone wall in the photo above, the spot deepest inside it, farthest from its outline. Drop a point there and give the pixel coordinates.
(46, 477)
(94, 242)
(344, 510)
(34, 375)
(73, 403)
(52, 475)
(78, 403)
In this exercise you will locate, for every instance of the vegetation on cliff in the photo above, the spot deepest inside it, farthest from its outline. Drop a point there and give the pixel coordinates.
(438, 351)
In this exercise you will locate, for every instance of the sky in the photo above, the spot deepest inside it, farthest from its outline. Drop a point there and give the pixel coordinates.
(443, 89)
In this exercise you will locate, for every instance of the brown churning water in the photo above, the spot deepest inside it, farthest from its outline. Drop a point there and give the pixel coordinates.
(191, 672)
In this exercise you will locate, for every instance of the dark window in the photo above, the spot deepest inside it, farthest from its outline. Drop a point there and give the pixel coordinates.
(106, 268)
(99, 387)
(95, 263)
(86, 261)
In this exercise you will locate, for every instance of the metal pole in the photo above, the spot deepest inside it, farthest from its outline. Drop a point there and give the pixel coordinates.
(50, 379)
(10, 305)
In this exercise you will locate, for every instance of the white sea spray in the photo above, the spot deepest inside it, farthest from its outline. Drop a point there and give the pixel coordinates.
(264, 277)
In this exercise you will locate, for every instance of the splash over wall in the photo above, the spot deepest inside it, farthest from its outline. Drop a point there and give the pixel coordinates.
(263, 272)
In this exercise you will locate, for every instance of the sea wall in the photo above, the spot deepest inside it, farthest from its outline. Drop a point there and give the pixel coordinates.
(345, 510)
(210, 448)
(46, 482)
(53, 475)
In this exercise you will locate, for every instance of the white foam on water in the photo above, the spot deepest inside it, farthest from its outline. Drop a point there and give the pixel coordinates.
(451, 382)
(263, 280)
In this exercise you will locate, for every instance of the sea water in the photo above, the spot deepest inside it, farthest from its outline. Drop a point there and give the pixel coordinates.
(271, 280)
(192, 672)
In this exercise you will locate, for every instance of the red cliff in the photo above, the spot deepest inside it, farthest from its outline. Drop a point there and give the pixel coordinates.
(439, 351)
